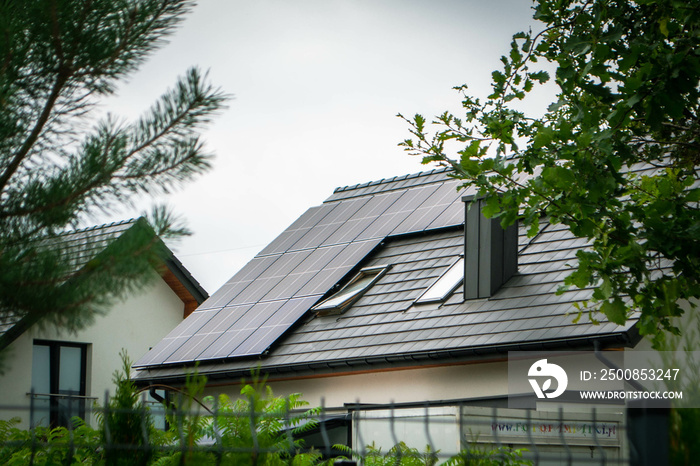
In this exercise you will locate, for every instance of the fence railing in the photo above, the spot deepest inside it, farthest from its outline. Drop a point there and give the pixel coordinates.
(369, 434)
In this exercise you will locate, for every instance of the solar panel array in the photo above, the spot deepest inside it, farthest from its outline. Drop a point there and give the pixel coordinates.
(273, 291)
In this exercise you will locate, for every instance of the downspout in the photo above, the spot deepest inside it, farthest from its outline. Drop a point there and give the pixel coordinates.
(165, 402)
(599, 355)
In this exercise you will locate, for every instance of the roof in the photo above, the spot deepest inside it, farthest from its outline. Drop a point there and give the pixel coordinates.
(81, 246)
(415, 223)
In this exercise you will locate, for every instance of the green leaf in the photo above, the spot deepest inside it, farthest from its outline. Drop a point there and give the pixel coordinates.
(541, 76)
(470, 166)
(606, 288)
(491, 208)
(615, 311)
(543, 138)
(559, 177)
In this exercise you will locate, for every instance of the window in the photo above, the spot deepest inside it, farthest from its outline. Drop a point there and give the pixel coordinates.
(445, 284)
(351, 292)
(58, 381)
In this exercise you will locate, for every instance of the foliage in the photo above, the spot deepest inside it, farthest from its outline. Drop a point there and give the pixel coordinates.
(400, 454)
(47, 446)
(126, 426)
(501, 456)
(257, 428)
(59, 167)
(627, 77)
(403, 455)
(684, 418)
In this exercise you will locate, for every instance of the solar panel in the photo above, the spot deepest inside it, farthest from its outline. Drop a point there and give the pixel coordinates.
(176, 338)
(314, 263)
(385, 224)
(299, 228)
(439, 201)
(363, 218)
(250, 320)
(341, 264)
(267, 334)
(193, 347)
(251, 271)
(267, 296)
(329, 224)
(266, 281)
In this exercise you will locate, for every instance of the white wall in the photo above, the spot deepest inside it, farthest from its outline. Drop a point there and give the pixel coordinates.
(136, 323)
(398, 386)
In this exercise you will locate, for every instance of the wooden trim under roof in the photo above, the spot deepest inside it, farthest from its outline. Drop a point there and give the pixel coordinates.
(181, 291)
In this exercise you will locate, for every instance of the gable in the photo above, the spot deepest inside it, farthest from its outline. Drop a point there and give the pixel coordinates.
(81, 247)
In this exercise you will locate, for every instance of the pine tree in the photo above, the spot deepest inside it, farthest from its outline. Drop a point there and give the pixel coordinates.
(57, 59)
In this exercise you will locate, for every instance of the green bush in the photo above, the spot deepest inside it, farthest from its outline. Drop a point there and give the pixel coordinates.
(126, 426)
(502, 456)
(46, 446)
(257, 428)
(403, 455)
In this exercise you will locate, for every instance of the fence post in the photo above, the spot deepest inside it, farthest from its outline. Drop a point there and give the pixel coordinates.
(647, 431)
(32, 427)
(324, 433)
(356, 426)
(108, 434)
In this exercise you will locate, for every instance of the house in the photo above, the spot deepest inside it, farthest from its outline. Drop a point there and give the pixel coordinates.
(70, 371)
(390, 300)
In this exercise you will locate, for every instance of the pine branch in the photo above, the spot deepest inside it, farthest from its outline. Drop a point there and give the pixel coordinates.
(36, 131)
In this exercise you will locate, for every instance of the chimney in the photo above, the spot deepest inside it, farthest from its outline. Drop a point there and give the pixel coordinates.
(491, 253)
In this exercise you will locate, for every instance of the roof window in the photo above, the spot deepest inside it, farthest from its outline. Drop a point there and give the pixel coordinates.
(445, 284)
(343, 299)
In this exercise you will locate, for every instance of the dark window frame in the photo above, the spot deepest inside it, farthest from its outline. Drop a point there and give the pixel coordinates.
(55, 374)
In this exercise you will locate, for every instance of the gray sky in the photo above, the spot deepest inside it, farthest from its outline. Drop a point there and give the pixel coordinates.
(317, 85)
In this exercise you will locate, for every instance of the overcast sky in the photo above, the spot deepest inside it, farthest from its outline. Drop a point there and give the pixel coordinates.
(317, 85)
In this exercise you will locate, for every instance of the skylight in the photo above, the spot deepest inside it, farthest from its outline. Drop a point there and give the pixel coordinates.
(351, 292)
(445, 284)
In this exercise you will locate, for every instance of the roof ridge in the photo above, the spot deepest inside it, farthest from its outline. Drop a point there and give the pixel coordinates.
(394, 179)
(97, 227)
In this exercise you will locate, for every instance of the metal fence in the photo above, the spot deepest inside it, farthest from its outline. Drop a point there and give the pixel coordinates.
(359, 432)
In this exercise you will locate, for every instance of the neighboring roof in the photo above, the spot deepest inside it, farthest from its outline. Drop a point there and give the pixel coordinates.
(81, 246)
(414, 223)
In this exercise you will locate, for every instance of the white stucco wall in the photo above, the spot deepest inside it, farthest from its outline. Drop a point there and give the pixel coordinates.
(136, 323)
(398, 386)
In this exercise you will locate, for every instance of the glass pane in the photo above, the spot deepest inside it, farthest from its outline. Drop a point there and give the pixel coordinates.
(41, 369)
(446, 284)
(69, 383)
(350, 291)
(157, 410)
(70, 365)
(68, 408)
(41, 383)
